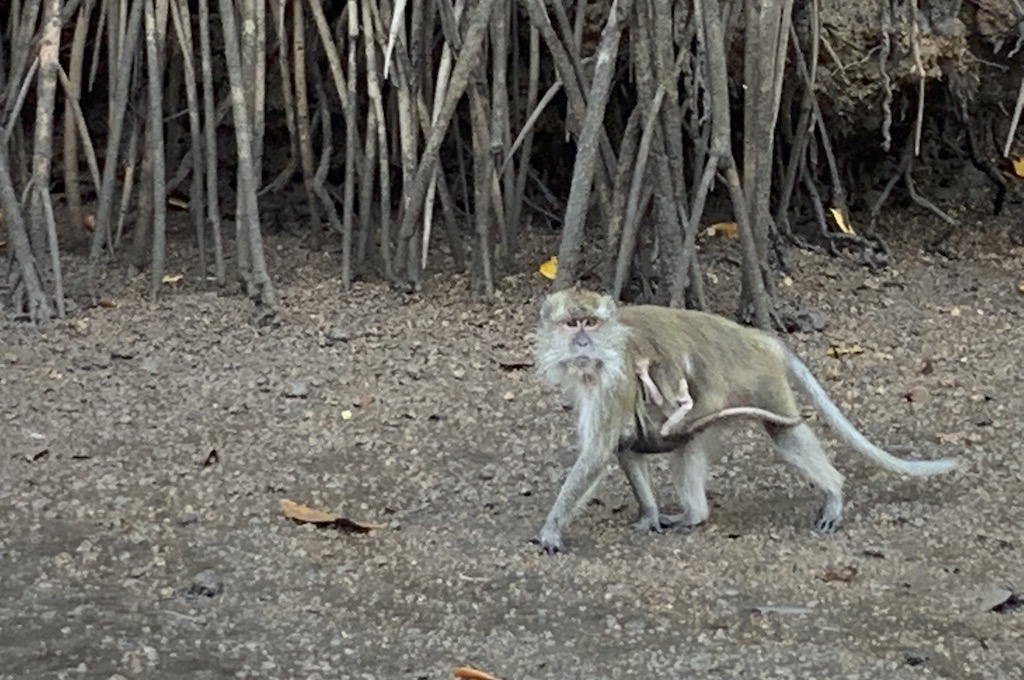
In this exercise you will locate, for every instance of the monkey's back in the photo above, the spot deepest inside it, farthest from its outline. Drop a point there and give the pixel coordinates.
(724, 363)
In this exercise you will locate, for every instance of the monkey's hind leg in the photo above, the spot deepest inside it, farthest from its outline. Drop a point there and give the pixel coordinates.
(689, 468)
(635, 466)
(801, 449)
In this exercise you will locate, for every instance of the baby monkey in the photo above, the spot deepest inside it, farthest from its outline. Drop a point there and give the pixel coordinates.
(676, 429)
(684, 402)
(615, 361)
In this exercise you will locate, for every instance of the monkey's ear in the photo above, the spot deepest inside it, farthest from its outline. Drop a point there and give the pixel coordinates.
(551, 306)
(606, 306)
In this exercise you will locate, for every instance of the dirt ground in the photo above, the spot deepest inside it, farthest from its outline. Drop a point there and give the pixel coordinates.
(130, 550)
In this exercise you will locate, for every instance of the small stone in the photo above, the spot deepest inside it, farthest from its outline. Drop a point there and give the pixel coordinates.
(916, 658)
(205, 584)
(917, 394)
(296, 389)
(336, 334)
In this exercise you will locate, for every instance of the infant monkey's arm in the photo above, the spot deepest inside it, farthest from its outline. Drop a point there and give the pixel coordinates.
(684, 402)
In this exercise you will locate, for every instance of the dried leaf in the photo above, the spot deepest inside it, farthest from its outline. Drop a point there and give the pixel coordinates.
(346, 415)
(549, 268)
(470, 673)
(1018, 165)
(514, 364)
(172, 278)
(1020, 286)
(837, 351)
(783, 610)
(841, 221)
(104, 302)
(787, 281)
(179, 203)
(726, 229)
(304, 514)
(844, 574)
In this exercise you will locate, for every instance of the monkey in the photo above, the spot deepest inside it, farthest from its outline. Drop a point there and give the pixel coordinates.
(588, 345)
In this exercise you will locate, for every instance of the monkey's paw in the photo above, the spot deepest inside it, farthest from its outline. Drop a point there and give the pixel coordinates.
(655, 523)
(550, 541)
(829, 518)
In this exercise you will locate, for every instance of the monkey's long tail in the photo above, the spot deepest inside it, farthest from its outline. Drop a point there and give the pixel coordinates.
(851, 435)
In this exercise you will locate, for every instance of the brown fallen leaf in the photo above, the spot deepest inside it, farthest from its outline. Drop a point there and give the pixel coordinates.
(514, 363)
(845, 574)
(104, 302)
(303, 514)
(470, 673)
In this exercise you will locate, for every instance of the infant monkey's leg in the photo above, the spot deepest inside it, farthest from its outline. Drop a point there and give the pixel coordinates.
(684, 404)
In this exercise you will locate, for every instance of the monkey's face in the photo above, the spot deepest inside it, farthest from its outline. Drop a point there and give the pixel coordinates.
(580, 338)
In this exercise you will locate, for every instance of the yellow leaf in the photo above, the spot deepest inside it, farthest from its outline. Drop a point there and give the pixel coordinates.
(955, 311)
(726, 229)
(176, 202)
(1018, 165)
(787, 281)
(346, 415)
(840, 219)
(172, 278)
(844, 350)
(549, 268)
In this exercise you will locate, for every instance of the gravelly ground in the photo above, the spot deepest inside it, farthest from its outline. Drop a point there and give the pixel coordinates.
(110, 517)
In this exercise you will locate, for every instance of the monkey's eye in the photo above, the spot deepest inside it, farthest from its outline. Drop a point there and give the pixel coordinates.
(589, 322)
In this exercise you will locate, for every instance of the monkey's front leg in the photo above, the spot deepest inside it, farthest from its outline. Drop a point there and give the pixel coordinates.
(584, 476)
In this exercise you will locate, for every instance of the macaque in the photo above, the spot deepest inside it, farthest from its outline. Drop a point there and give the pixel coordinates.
(600, 353)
